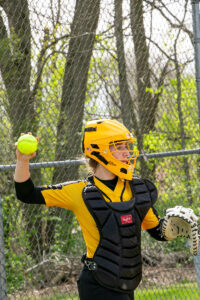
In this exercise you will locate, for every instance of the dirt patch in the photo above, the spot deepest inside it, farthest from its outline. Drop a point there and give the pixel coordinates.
(152, 277)
(162, 276)
(58, 277)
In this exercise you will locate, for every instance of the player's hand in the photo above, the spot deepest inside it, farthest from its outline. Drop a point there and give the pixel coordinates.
(23, 157)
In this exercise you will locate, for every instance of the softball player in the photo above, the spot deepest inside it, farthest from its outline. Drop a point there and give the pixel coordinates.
(112, 206)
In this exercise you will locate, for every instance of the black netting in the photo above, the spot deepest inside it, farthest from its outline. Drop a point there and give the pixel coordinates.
(63, 63)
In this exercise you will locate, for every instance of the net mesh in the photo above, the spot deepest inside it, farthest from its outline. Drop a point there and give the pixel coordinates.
(63, 63)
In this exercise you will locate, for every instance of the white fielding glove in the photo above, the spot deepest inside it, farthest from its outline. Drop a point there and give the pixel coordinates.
(181, 221)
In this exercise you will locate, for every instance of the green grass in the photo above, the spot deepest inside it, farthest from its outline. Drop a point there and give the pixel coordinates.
(178, 292)
(187, 291)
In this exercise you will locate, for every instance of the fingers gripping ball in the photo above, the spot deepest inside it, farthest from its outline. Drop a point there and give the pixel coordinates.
(27, 144)
(182, 221)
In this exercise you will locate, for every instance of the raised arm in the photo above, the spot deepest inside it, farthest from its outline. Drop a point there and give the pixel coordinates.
(22, 172)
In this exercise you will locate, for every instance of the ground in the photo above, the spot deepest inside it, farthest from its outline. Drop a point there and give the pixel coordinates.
(152, 277)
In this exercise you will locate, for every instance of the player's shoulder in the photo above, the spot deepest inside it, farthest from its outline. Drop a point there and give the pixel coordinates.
(67, 184)
(144, 185)
(138, 180)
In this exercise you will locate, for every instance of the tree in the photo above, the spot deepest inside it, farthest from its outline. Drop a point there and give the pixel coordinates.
(69, 128)
(15, 66)
(138, 112)
(81, 44)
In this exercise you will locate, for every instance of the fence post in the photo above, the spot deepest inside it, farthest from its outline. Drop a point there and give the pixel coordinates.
(197, 267)
(2, 259)
(196, 32)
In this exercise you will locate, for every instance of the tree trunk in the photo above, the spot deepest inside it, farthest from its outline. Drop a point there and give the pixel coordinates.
(132, 118)
(15, 66)
(128, 114)
(144, 98)
(69, 129)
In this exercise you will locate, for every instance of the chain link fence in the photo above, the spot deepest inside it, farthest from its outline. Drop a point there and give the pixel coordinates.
(63, 63)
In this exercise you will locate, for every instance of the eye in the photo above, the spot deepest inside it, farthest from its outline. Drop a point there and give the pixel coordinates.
(122, 147)
(119, 147)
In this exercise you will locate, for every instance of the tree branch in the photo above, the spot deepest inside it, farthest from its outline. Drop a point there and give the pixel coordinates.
(178, 25)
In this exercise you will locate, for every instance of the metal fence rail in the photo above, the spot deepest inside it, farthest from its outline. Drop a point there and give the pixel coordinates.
(52, 164)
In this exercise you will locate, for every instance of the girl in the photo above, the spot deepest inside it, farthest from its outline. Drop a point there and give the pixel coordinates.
(111, 206)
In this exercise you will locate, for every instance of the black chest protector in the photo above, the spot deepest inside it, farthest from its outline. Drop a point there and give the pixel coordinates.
(118, 255)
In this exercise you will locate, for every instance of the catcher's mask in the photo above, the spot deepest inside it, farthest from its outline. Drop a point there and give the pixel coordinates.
(103, 138)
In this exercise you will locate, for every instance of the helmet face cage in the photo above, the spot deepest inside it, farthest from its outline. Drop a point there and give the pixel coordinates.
(127, 149)
(111, 144)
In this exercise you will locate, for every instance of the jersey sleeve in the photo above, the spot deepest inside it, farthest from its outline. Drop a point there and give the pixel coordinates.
(153, 224)
(65, 195)
(151, 219)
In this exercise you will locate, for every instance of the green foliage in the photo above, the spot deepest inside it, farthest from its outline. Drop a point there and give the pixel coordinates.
(68, 238)
(16, 243)
(170, 173)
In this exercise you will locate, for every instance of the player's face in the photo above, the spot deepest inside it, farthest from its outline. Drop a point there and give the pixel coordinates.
(120, 151)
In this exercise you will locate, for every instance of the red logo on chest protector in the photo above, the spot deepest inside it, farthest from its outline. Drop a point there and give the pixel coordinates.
(127, 219)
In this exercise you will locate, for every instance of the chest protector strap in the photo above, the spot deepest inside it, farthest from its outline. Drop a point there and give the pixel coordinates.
(118, 255)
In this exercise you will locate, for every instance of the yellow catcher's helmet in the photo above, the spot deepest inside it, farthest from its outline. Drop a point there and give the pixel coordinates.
(99, 135)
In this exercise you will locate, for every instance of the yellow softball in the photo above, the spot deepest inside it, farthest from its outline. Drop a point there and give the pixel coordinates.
(27, 144)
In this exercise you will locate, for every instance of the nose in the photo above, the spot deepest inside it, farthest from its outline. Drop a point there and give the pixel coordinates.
(126, 153)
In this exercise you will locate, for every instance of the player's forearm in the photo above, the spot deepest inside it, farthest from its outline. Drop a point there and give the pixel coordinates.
(22, 172)
(156, 232)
